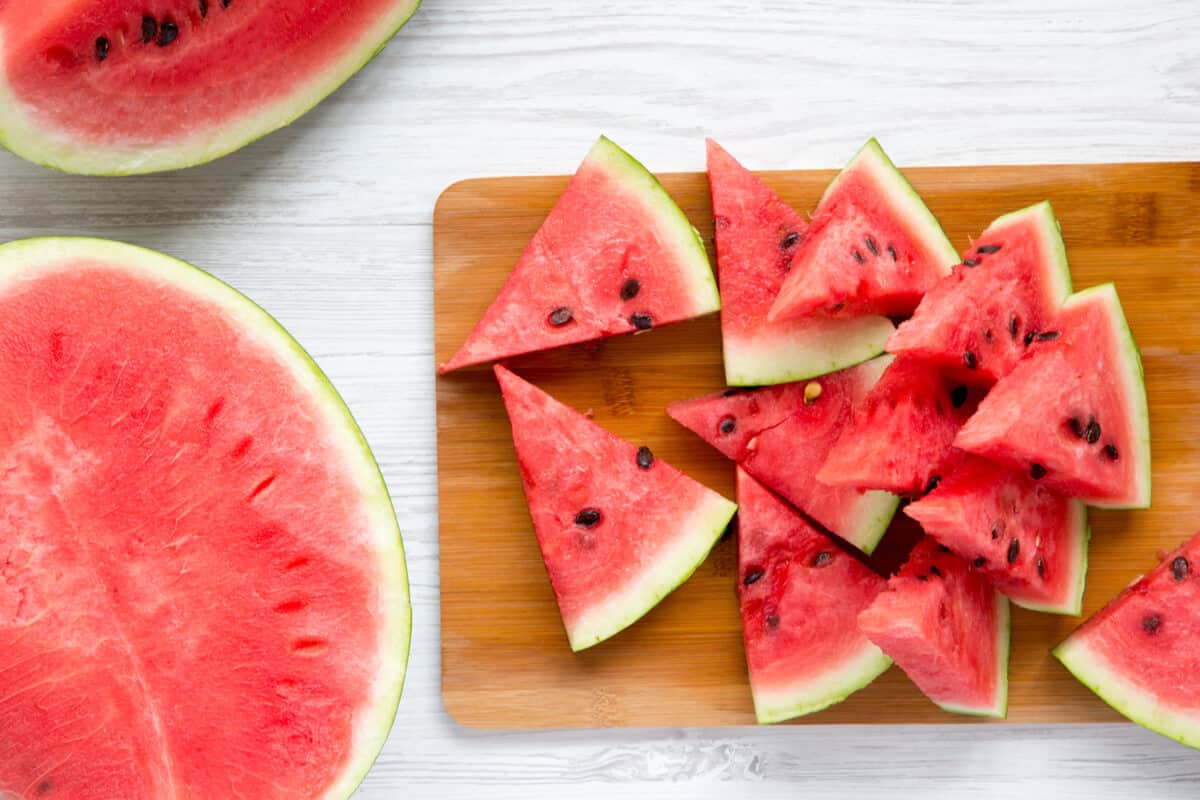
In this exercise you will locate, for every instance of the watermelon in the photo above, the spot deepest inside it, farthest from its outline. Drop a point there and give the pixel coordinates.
(947, 628)
(112, 87)
(202, 584)
(1011, 281)
(873, 247)
(800, 597)
(1139, 652)
(615, 255)
(781, 434)
(756, 236)
(618, 527)
(1030, 542)
(1073, 412)
(902, 433)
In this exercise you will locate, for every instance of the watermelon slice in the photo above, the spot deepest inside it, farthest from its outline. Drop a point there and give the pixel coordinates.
(112, 87)
(615, 255)
(1010, 282)
(1031, 543)
(1073, 412)
(202, 584)
(873, 247)
(947, 628)
(800, 596)
(756, 237)
(902, 433)
(781, 434)
(1139, 652)
(618, 528)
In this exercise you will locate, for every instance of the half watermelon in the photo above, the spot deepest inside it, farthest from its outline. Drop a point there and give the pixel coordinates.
(757, 235)
(615, 255)
(201, 576)
(618, 528)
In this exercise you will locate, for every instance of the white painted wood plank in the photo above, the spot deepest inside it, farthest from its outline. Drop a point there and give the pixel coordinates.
(327, 225)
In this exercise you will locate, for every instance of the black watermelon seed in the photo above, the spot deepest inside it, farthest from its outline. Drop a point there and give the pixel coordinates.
(970, 262)
(933, 483)
(1151, 623)
(1110, 450)
(858, 256)
(1092, 432)
(1048, 336)
(589, 517)
(167, 33)
(225, 3)
(1076, 427)
(560, 316)
(102, 48)
(1029, 338)
(958, 396)
(772, 620)
(1041, 568)
(987, 249)
(1014, 550)
(970, 359)
(997, 528)
(935, 571)
(645, 458)
(979, 562)
(149, 28)
(1037, 471)
(943, 549)
(789, 241)
(822, 559)
(1012, 326)
(203, 8)
(987, 334)
(1180, 567)
(727, 425)
(630, 289)
(642, 321)
(892, 252)
(871, 245)
(752, 577)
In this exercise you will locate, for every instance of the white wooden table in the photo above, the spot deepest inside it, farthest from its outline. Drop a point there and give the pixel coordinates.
(327, 225)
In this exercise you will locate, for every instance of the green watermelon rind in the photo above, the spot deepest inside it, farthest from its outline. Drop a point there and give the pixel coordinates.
(810, 696)
(670, 570)
(769, 358)
(1059, 273)
(873, 521)
(24, 137)
(999, 710)
(1080, 536)
(20, 258)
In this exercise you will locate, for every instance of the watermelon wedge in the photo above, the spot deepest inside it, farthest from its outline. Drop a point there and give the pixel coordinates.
(112, 87)
(800, 597)
(202, 584)
(1031, 543)
(756, 236)
(1139, 652)
(1011, 281)
(947, 628)
(1073, 412)
(618, 528)
(902, 433)
(873, 247)
(615, 255)
(781, 434)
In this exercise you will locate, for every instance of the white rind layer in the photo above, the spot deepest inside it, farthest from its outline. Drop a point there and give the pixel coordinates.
(843, 679)
(785, 354)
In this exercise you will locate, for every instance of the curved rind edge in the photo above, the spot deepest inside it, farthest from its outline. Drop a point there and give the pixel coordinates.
(769, 359)
(839, 683)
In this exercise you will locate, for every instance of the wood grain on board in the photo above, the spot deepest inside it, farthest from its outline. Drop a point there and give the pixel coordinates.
(505, 659)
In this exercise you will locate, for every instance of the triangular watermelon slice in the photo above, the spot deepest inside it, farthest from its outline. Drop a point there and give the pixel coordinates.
(1031, 543)
(757, 234)
(1011, 281)
(781, 434)
(800, 597)
(873, 247)
(947, 628)
(1072, 414)
(618, 528)
(615, 255)
(902, 433)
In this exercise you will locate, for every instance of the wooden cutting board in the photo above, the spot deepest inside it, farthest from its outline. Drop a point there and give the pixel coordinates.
(505, 660)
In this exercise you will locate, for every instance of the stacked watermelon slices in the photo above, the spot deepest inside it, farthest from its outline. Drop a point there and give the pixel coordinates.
(868, 365)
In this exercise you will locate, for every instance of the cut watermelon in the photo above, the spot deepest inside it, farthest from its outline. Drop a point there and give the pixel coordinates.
(615, 255)
(202, 584)
(873, 247)
(800, 596)
(756, 237)
(1073, 412)
(1011, 281)
(901, 434)
(947, 628)
(1139, 652)
(781, 434)
(1030, 542)
(618, 528)
(112, 87)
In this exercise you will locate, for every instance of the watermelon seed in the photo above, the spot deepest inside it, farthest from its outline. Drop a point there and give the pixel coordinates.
(149, 28)
(772, 620)
(630, 289)
(1014, 550)
(588, 518)
(997, 528)
(645, 458)
(1048, 336)
(1012, 326)
(922, 578)
(789, 241)
(970, 359)
(167, 33)
(1151, 623)
(1092, 432)
(871, 246)
(892, 253)
(933, 483)
(812, 390)
(987, 334)
(203, 8)
(1179, 568)
(958, 396)
(1110, 450)
(979, 562)
(934, 570)
(1037, 471)
(1076, 427)
(560, 316)
(1029, 338)
(987, 249)
(752, 577)
(858, 256)
(727, 425)
(822, 559)
(642, 321)
(225, 3)
(102, 48)
(943, 549)
(1041, 568)
(970, 262)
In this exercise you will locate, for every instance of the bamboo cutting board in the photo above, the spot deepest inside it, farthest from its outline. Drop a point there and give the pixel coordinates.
(505, 659)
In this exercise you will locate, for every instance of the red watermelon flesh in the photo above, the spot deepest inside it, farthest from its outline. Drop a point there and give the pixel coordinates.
(781, 438)
(947, 628)
(757, 235)
(201, 579)
(1072, 414)
(902, 433)
(1011, 281)
(800, 597)
(618, 528)
(615, 255)
(873, 247)
(1139, 652)
(1030, 542)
